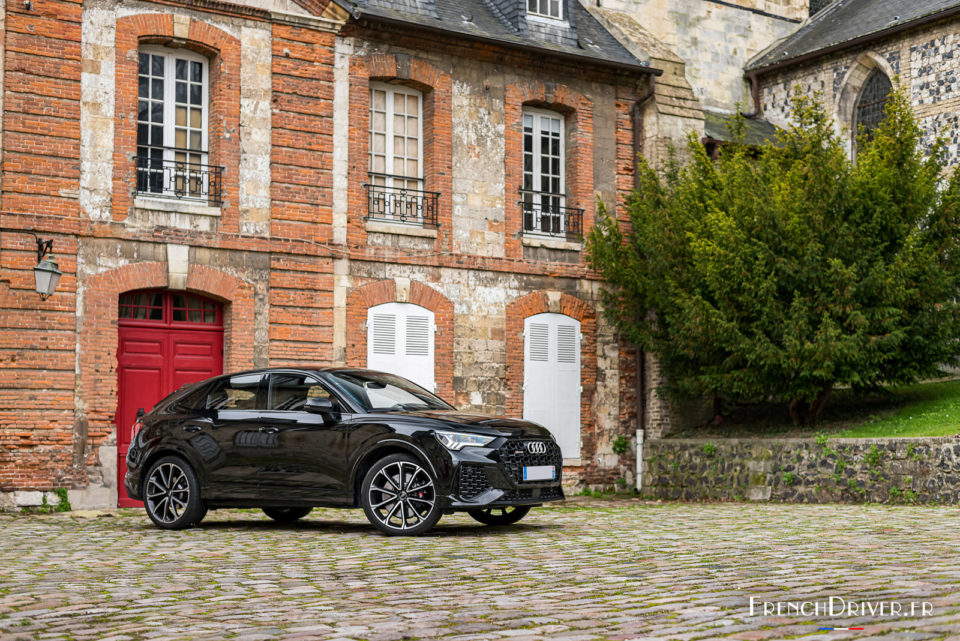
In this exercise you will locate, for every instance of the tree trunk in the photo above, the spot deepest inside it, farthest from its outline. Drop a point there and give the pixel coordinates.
(804, 413)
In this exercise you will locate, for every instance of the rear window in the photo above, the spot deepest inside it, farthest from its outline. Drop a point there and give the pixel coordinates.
(240, 392)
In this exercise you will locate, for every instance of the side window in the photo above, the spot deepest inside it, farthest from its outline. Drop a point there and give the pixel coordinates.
(236, 393)
(195, 400)
(289, 392)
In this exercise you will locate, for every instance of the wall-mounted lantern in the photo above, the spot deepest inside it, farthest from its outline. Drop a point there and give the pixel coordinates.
(47, 272)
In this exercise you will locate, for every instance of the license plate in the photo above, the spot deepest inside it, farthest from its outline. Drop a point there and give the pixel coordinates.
(539, 473)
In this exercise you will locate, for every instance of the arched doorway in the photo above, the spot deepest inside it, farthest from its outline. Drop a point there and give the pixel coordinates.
(166, 340)
(551, 377)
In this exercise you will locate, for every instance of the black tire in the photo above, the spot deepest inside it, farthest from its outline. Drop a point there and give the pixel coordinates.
(500, 515)
(386, 502)
(171, 494)
(286, 514)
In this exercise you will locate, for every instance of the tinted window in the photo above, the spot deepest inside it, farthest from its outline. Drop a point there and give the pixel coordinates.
(290, 391)
(195, 400)
(236, 393)
(374, 391)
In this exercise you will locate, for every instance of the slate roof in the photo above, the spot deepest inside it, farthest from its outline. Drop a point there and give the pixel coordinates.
(844, 21)
(482, 20)
(716, 125)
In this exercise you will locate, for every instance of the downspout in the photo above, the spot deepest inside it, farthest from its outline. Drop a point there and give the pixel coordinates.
(751, 77)
(640, 355)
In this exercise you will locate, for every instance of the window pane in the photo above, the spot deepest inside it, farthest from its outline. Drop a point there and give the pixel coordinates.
(398, 146)
(380, 100)
(379, 143)
(143, 108)
(413, 150)
(156, 110)
(413, 168)
(180, 139)
(156, 136)
(179, 315)
(157, 65)
(398, 103)
(181, 92)
(398, 128)
(143, 66)
(144, 87)
(413, 126)
(196, 118)
(181, 69)
(379, 121)
(181, 117)
(195, 95)
(413, 105)
(196, 72)
(195, 141)
(157, 90)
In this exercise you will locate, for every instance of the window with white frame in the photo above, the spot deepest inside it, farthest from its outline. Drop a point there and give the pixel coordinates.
(396, 155)
(172, 124)
(543, 191)
(400, 340)
(546, 8)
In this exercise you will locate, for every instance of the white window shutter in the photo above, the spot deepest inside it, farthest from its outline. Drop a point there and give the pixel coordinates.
(384, 334)
(418, 336)
(551, 383)
(539, 342)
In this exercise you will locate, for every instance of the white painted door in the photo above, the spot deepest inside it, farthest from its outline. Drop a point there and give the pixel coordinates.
(551, 377)
(400, 341)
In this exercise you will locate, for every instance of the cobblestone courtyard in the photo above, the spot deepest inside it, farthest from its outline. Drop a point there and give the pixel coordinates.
(594, 570)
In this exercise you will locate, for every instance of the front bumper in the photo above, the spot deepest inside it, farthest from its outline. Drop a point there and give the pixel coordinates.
(493, 477)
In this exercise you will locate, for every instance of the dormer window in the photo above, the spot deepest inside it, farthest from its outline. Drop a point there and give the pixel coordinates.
(552, 9)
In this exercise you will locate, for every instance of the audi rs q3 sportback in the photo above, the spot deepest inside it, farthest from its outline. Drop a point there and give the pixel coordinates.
(289, 440)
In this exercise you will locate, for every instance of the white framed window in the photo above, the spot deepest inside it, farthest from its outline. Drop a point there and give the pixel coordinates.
(396, 136)
(551, 377)
(400, 340)
(543, 190)
(172, 124)
(546, 9)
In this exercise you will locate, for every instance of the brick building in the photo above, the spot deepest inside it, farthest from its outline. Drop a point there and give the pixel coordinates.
(230, 185)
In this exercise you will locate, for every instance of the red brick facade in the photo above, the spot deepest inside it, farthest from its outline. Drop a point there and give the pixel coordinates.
(294, 293)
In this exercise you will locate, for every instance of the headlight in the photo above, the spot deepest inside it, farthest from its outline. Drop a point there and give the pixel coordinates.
(458, 441)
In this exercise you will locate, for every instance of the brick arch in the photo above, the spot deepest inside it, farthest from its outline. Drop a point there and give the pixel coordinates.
(97, 340)
(577, 110)
(539, 303)
(223, 50)
(385, 291)
(437, 87)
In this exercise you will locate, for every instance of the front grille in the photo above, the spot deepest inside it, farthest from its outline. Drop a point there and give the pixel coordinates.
(515, 456)
(473, 482)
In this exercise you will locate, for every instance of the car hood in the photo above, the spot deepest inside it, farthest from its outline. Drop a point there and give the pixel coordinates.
(475, 423)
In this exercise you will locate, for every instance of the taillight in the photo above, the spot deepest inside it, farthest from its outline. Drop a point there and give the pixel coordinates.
(137, 425)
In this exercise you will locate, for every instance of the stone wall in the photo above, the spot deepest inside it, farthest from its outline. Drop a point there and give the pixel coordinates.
(906, 470)
(924, 59)
(715, 40)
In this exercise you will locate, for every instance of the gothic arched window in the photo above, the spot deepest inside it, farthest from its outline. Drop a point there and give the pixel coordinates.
(872, 99)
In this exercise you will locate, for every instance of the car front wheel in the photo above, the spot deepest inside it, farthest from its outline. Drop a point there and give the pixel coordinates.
(500, 515)
(399, 496)
(172, 494)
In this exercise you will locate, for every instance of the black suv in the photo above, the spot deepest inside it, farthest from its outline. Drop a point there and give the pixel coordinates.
(289, 440)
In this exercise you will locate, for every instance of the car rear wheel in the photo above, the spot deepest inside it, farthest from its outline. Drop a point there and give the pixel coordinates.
(399, 496)
(500, 515)
(286, 514)
(172, 494)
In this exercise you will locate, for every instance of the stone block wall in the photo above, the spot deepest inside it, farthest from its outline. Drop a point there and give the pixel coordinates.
(924, 59)
(905, 470)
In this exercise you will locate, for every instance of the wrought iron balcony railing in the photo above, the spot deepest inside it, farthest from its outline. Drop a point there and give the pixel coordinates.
(545, 215)
(400, 204)
(178, 179)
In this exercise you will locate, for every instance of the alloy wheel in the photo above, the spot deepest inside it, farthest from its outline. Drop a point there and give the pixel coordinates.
(401, 495)
(168, 493)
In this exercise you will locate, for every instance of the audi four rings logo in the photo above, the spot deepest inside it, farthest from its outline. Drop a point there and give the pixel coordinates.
(537, 447)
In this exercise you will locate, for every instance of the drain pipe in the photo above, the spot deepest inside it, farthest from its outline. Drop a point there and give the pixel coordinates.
(641, 395)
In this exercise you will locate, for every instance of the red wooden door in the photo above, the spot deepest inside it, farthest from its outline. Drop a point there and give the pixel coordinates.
(166, 340)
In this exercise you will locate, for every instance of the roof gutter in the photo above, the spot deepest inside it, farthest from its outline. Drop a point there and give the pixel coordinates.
(543, 51)
(638, 124)
(868, 38)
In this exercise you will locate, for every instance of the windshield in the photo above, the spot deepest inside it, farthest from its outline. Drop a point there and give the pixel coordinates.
(376, 392)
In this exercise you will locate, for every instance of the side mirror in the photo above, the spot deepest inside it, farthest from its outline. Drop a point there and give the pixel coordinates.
(320, 406)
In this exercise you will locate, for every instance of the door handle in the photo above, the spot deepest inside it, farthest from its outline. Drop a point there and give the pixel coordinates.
(192, 428)
(269, 430)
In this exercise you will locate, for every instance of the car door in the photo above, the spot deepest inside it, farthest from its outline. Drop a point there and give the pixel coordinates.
(308, 460)
(236, 446)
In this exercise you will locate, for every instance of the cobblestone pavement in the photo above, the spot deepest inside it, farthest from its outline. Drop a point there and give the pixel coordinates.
(589, 570)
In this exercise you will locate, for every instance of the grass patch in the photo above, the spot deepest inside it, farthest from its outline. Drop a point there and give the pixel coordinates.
(924, 409)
